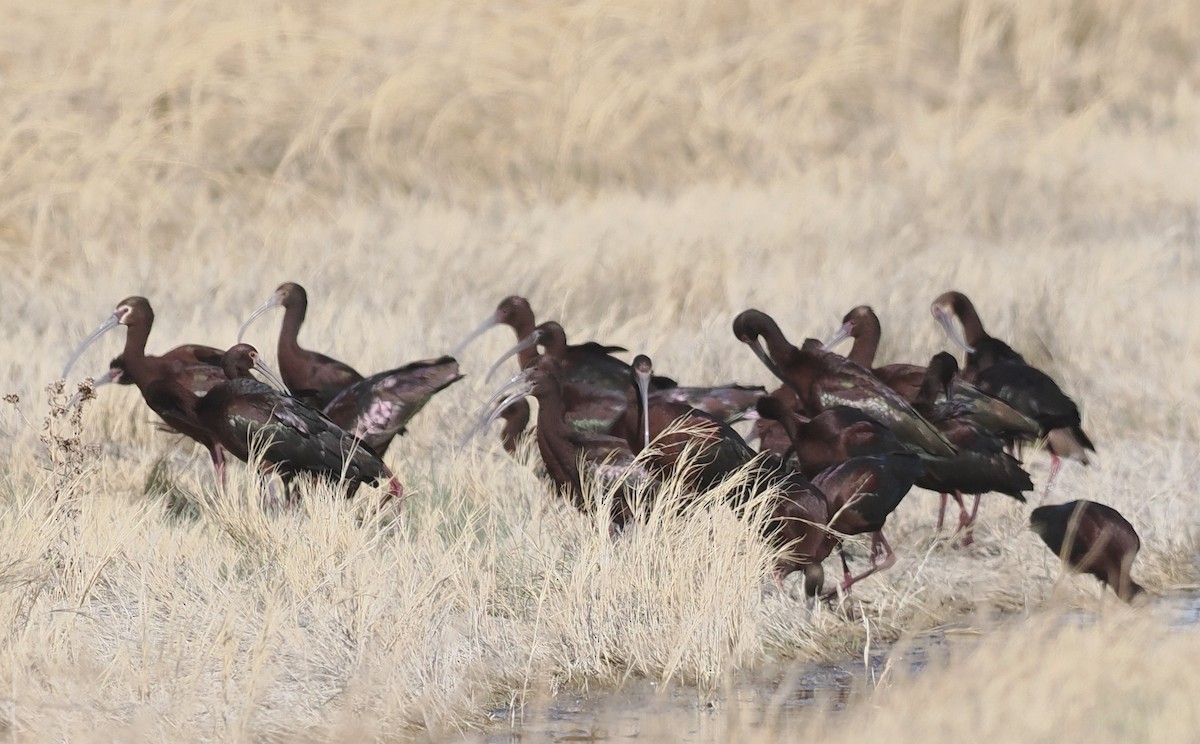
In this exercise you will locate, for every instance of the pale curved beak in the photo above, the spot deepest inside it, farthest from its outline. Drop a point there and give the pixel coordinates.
(518, 387)
(110, 376)
(113, 321)
(522, 345)
(272, 377)
(518, 394)
(273, 301)
(483, 328)
(643, 387)
(763, 357)
(952, 330)
(842, 334)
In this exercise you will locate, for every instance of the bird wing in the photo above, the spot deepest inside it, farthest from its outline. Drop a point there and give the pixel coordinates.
(847, 384)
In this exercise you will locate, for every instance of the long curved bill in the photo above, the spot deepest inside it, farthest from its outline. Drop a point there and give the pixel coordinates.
(842, 334)
(111, 375)
(483, 328)
(273, 301)
(113, 321)
(952, 330)
(763, 357)
(643, 385)
(272, 377)
(522, 345)
(503, 405)
(518, 379)
(518, 387)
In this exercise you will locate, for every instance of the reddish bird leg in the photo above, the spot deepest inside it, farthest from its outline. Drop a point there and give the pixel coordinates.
(882, 558)
(218, 458)
(1055, 464)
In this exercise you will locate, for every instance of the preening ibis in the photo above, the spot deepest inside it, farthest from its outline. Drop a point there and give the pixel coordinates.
(1091, 538)
(998, 370)
(242, 413)
(823, 380)
(161, 380)
(862, 324)
(312, 377)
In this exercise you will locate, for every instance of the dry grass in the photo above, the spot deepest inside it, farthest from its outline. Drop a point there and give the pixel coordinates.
(641, 172)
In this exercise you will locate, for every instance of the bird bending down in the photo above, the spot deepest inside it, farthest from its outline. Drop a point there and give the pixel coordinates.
(1092, 538)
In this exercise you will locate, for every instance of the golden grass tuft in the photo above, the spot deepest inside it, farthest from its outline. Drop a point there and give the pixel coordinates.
(642, 173)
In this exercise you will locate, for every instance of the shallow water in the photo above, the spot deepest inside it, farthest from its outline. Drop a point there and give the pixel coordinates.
(636, 709)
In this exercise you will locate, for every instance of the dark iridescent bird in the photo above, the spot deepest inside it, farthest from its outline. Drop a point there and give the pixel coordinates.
(862, 324)
(377, 409)
(828, 439)
(995, 368)
(243, 414)
(157, 376)
(861, 493)
(312, 377)
(797, 513)
(823, 380)
(563, 448)
(674, 428)
(1097, 541)
(981, 465)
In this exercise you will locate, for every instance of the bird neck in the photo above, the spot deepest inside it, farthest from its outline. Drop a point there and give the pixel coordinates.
(866, 344)
(972, 326)
(137, 366)
(559, 455)
(289, 332)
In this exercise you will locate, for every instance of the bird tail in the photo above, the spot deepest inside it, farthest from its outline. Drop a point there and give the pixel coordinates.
(395, 490)
(1070, 443)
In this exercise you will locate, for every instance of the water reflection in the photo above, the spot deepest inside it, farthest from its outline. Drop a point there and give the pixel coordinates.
(639, 709)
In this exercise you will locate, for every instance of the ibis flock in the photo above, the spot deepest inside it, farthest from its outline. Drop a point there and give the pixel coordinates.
(841, 442)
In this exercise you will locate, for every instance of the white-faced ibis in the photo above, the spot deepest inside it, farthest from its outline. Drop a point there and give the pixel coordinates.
(998, 370)
(514, 312)
(564, 448)
(377, 409)
(861, 493)
(981, 465)
(673, 427)
(862, 324)
(312, 377)
(160, 379)
(823, 380)
(243, 414)
(1091, 538)
(797, 513)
